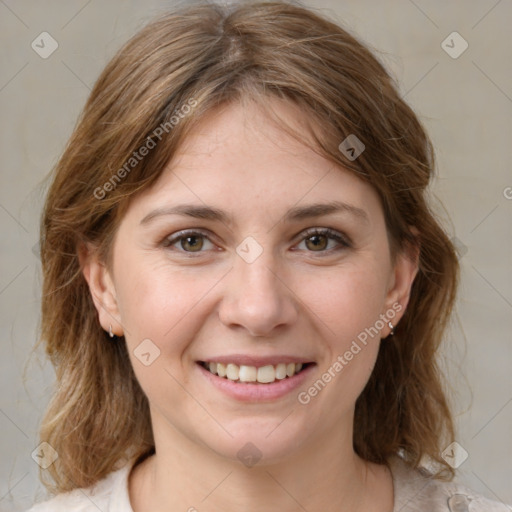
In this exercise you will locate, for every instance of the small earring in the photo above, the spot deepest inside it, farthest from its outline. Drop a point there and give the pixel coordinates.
(110, 333)
(392, 329)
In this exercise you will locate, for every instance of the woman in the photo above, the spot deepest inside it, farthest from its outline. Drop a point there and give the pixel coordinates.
(237, 222)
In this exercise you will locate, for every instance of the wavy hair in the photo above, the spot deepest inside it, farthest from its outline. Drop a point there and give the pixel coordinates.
(205, 56)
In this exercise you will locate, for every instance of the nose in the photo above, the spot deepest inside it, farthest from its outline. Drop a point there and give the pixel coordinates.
(257, 298)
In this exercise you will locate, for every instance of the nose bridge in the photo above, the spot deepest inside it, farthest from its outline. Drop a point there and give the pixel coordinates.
(257, 278)
(256, 263)
(256, 297)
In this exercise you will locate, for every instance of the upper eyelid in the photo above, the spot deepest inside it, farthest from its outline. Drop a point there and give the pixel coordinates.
(325, 231)
(191, 231)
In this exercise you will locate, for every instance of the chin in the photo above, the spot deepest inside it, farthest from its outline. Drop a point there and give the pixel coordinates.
(259, 441)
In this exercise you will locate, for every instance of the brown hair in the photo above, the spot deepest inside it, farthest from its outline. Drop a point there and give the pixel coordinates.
(205, 56)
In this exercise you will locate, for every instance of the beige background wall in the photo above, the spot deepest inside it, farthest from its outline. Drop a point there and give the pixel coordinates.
(466, 103)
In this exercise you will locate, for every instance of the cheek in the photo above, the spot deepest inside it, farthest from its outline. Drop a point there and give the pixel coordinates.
(347, 307)
(167, 307)
(346, 300)
(161, 303)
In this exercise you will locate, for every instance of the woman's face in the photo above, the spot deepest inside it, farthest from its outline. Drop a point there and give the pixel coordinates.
(251, 285)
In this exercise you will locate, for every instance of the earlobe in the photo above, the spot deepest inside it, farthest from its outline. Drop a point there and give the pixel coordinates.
(404, 272)
(102, 289)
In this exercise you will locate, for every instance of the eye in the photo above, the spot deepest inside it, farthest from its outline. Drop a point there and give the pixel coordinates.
(321, 240)
(188, 241)
(317, 240)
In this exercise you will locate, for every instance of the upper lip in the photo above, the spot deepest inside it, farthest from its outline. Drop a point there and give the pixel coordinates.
(258, 361)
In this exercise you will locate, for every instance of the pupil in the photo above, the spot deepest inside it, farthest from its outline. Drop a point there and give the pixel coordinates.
(189, 240)
(318, 241)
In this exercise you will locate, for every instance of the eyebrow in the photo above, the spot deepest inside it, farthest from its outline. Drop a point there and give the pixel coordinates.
(295, 214)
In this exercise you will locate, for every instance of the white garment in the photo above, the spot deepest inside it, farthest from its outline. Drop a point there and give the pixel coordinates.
(414, 491)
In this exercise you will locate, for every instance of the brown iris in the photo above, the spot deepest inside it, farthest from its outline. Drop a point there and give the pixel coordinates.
(319, 242)
(192, 243)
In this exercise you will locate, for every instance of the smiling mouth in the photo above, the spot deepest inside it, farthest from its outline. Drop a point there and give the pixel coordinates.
(251, 374)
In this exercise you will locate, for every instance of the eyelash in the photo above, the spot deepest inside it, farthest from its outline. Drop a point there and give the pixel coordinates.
(344, 242)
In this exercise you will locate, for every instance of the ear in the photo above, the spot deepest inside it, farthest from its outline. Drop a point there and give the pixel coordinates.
(101, 287)
(402, 278)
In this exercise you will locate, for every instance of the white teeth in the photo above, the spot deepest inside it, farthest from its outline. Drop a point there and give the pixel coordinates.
(280, 371)
(232, 371)
(264, 374)
(221, 370)
(247, 373)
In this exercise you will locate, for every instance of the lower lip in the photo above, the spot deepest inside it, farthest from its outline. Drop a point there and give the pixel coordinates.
(256, 392)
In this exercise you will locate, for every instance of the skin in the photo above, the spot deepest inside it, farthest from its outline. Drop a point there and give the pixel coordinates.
(297, 297)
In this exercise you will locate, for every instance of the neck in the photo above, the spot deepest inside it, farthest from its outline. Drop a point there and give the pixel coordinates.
(327, 476)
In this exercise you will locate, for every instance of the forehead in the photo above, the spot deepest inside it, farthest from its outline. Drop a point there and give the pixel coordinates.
(237, 158)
